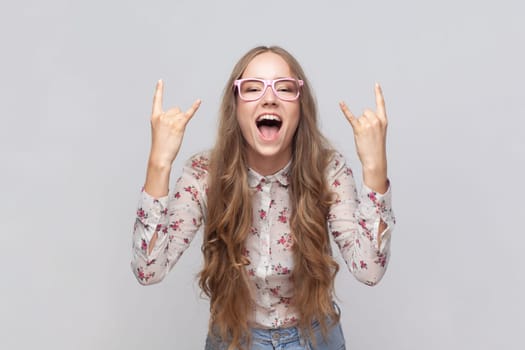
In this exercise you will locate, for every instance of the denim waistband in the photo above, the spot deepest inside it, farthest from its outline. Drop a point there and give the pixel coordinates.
(287, 338)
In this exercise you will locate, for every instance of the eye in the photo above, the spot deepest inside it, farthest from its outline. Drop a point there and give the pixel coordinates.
(286, 86)
(251, 86)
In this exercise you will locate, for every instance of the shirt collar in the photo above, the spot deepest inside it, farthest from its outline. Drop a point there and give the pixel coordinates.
(282, 176)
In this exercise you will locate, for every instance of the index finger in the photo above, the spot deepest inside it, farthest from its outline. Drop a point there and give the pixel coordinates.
(157, 98)
(380, 102)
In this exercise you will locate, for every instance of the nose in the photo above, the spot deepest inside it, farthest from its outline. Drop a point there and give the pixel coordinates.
(269, 96)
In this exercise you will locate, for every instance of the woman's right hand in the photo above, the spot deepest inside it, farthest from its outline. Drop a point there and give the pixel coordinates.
(167, 130)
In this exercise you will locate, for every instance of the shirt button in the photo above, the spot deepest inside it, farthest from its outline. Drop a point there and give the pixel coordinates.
(276, 336)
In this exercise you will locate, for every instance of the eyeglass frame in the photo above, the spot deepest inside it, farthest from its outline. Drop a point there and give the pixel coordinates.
(237, 83)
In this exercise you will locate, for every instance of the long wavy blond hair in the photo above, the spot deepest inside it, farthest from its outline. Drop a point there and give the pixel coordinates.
(223, 278)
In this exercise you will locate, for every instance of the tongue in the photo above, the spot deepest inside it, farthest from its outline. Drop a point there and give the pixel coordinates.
(269, 132)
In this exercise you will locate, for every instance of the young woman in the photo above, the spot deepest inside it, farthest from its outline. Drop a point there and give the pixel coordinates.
(269, 196)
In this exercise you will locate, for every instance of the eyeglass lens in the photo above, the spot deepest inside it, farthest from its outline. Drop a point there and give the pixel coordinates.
(287, 89)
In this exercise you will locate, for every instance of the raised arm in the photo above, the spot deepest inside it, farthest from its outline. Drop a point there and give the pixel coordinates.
(362, 223)
(370, 140)
(167, 132)
(161, 224)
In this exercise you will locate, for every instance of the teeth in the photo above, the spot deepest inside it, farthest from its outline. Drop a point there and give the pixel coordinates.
(268, 117)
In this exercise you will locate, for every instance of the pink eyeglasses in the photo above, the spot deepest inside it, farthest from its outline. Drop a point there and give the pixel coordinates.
(252, 89)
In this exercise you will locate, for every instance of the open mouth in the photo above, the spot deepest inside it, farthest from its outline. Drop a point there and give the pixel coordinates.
(269, 126)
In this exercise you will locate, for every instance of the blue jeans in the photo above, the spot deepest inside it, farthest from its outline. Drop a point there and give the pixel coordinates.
(287, 339)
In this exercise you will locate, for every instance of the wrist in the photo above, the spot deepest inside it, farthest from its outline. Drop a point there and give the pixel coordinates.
(159, 164)
(376, 180)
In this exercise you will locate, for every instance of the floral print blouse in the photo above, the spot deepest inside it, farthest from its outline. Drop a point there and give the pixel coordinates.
(353, 223)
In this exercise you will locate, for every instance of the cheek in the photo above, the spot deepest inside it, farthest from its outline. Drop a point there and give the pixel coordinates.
(295, 119)
(243, 110)
(244, 124)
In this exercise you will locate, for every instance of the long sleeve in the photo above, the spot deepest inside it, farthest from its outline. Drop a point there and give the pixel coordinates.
(354, 220)
(176, 218)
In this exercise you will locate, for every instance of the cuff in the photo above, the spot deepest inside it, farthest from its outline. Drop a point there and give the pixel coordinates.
(150, 209)
(375, 207)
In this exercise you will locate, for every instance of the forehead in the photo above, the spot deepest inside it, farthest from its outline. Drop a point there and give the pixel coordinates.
(267, 65)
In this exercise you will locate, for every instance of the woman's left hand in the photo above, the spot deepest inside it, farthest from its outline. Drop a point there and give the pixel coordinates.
(370, 139)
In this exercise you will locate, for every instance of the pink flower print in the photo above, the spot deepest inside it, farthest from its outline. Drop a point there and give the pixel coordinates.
(262, 214)
(144, 246)
(289, 321)
(254, 231)
(275, 291)
(159, 226)
(280, 270)
(284, 300)
(194, 163)
(272, 203)
(194, 221)
(177, 195)
(336, 163)
(198, 175)
(358, 242)
(372, 196)
(348, 171)
(142, 276)
(193, 191)
(140, 213)
(283, 216)
(336, 234)
(362, 223)
(259, 187)
(175, 225)
(381, 259)
(285, 241)
(200, 163)
(245, 252)
(363, 264)
(336, 183)
(151, 262)
(186, 241)
(251, 272)
(165, 229)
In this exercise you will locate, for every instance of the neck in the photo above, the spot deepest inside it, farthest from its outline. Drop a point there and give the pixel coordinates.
(265, 165)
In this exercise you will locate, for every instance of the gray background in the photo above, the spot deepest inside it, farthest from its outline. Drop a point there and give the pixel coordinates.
(76, 86)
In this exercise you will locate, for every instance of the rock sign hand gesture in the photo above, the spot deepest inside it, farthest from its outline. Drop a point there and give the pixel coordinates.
(167, 131)
(167, 128)
(370, 139)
